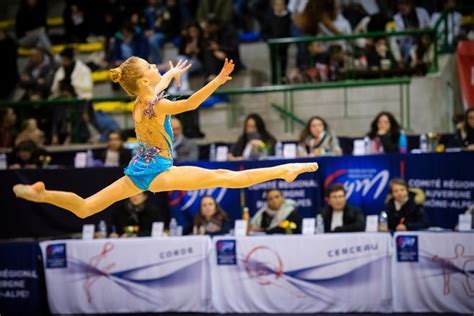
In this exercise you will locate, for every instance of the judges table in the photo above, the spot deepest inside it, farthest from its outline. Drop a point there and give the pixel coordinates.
(352, 272)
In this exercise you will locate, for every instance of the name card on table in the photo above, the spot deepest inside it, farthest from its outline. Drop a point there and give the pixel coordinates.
(80, 160)
(289, 151)
(221, 153)
(157, 229)
(465, 222)
(308, 226)
(240, 227)
(372, 223)
(88, 232)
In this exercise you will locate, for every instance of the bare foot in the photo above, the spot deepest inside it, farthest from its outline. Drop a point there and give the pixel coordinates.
(292, 170)
(32, 192)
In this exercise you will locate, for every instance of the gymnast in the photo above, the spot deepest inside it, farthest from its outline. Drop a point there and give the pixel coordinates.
(152, 168)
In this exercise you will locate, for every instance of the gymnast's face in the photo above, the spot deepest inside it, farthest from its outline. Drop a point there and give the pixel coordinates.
(208, 207)
(151, 76)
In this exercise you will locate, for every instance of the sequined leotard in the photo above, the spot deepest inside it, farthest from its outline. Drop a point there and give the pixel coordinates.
(154, 153)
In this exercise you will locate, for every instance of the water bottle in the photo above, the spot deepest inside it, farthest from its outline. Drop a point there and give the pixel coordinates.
(102, 229)
(212, 152)
(279, 150)
(319, 225)
(423, 143)
(403, 143)
(383, 221)
(89, 158)
(3, 161)
(173, 227)
(367, 149)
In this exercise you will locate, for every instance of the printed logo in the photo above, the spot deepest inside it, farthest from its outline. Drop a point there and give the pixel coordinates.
(226, 252)
(407, 248)
(264, 265)
(56, 256)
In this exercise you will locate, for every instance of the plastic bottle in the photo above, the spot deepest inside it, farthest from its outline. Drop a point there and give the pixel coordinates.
(246, 214)
(383, 221)
(90, 158)
(279, 150)
(212, 152)
(3, 161)
(403, 143)
(173, 227)
(319, 225)
(102, 229)
(367, 149)
(423, 143)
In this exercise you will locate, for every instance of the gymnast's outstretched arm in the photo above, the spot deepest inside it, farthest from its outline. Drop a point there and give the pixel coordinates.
(192, 103)
(174, 72)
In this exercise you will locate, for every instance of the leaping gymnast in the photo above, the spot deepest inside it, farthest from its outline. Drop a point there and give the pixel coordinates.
(152, 168)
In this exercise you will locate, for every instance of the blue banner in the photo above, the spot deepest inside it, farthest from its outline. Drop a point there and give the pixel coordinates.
(21, 279)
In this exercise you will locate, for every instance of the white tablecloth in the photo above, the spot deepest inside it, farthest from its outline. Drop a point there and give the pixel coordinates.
(302, 274)
(127, 275)
(433, 272)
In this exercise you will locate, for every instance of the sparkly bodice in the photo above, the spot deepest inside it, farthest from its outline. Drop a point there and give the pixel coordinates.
(154, 130)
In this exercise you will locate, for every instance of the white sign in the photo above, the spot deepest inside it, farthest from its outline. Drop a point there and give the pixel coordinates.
(88, 232)
(240, 227)
(308, 226)
(372, 223)
(80, 160)
(465, 222)
(221, 153)
(157, 229)
(289, 151)
(359, 148)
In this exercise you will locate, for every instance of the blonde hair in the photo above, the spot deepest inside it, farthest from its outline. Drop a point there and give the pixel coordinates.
(127, 75)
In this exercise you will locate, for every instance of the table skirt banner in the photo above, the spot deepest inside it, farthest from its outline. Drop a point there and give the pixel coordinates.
(132, 275)
(302, 274)
(433, 272)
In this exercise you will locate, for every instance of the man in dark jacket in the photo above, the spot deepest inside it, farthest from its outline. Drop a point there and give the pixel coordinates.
(404, 207)
(338, 216)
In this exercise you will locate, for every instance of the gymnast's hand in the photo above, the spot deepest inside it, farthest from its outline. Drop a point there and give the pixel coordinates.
(180, 68)
(224, 75)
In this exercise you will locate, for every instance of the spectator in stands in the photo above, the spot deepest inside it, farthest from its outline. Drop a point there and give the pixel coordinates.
(7, 127)
(379, 56)
(138, 210)
(454, 21)
(254, 141)
(163, 25)
(73, 77)
(211, 218)
(277, 24)
(37, 76)
(127, 42)
(75, 22)
(316, 139)
(115, 155)
(221, 9)
(422, 55)
(8, 64)
(465, 131)
(28, 155)
(221, 42)
(408, 17)
(384, 133)
(339, 216)
(332, 21)
(191, 48)
(30, 24)
(404, 207)
(30, 131)
(184, 149)
(277, 210)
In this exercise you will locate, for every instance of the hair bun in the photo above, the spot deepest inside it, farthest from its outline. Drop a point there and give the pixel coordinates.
(116, 74)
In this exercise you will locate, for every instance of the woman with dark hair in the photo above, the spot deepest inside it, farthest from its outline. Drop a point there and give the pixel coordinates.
(255, 139)
(384, 133)
(404, 207)
(316, 139)
(465, 131)
(211, 218)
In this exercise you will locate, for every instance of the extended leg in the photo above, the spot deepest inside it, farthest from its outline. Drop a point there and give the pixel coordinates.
(119, 190)
(194, 178)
